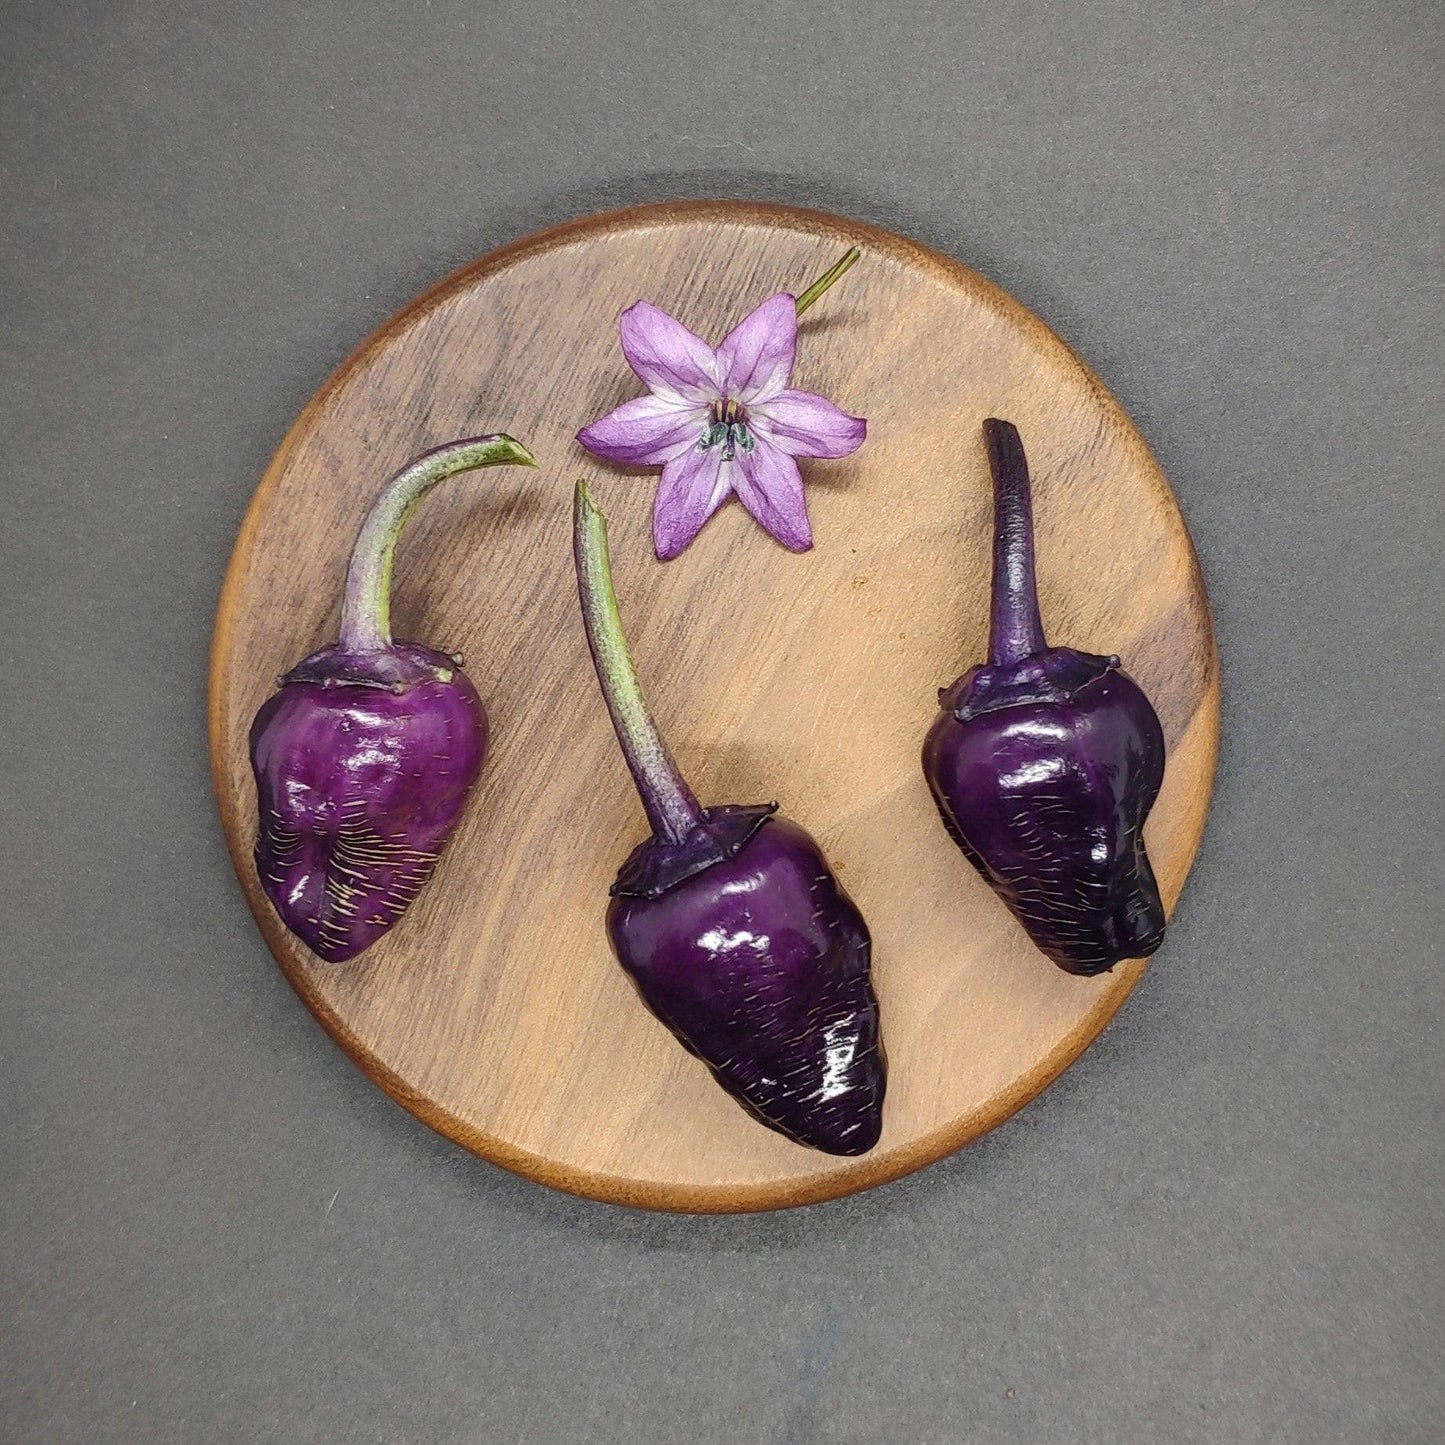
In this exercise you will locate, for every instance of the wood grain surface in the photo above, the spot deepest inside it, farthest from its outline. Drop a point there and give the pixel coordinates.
(495, 1011)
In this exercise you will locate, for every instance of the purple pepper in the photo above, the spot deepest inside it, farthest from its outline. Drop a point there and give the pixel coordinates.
(365, 756)
(731, 924)
(1044, 762)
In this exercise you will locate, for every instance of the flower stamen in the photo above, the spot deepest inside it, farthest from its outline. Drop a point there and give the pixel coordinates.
(727, 425)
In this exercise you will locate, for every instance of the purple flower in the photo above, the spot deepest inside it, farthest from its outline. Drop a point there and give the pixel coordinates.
(722, 421)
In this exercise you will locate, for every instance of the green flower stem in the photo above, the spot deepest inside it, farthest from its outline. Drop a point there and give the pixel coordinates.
(828, 277)
(366, 600)
(672, 810)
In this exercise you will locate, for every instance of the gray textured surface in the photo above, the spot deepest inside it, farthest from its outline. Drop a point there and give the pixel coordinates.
(1222, 1225)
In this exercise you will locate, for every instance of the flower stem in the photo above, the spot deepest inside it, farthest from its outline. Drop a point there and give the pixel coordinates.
(366, 600)
(1015, 629)
(671, 807)
(829, 276)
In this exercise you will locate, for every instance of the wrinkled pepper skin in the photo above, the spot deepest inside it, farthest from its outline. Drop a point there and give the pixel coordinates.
(1045, 761)
(360, 784)
(759, 964)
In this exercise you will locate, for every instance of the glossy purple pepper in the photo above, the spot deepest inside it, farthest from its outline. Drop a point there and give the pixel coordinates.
(731, 924)
(364, 757)
(1044, 762)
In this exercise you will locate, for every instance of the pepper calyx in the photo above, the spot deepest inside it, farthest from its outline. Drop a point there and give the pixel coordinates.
(1056, 675)
(395, 669)
(657, 865)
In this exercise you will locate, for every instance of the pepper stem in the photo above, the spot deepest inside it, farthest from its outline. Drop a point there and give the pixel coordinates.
(366, 600)
(671, 807)
(1016, 630)
(832, 274)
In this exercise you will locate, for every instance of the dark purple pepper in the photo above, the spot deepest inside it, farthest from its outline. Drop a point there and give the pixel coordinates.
(1044, 762)
(365, 756)
(731, 924)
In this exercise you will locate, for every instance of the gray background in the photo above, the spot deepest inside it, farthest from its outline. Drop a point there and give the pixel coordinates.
(1223, 1224)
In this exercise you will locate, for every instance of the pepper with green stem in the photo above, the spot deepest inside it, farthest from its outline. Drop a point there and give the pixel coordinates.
(731, 924)
(365, 755)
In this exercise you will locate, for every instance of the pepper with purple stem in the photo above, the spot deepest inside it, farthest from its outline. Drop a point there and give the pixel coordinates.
(731, 924)
(365, 756)
(1044, 762)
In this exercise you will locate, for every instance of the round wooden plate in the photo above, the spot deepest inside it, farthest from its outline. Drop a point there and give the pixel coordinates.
(495, 1011)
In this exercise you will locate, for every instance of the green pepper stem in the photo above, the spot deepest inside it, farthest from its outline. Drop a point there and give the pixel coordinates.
(672, 810)
(1016, 630)
(832, 274)
(366, 599)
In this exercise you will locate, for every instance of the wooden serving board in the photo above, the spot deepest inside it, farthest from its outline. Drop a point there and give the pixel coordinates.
(495, 1011)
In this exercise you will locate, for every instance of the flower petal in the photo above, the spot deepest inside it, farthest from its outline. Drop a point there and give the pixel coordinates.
(667, 356)
(770, 486)
(692, 487)
(645, 432)
(756, 356)
(805, 425)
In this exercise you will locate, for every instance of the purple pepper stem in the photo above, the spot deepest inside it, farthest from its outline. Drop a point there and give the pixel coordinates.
(366, 600)
(671, 807)
(1016, 630)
